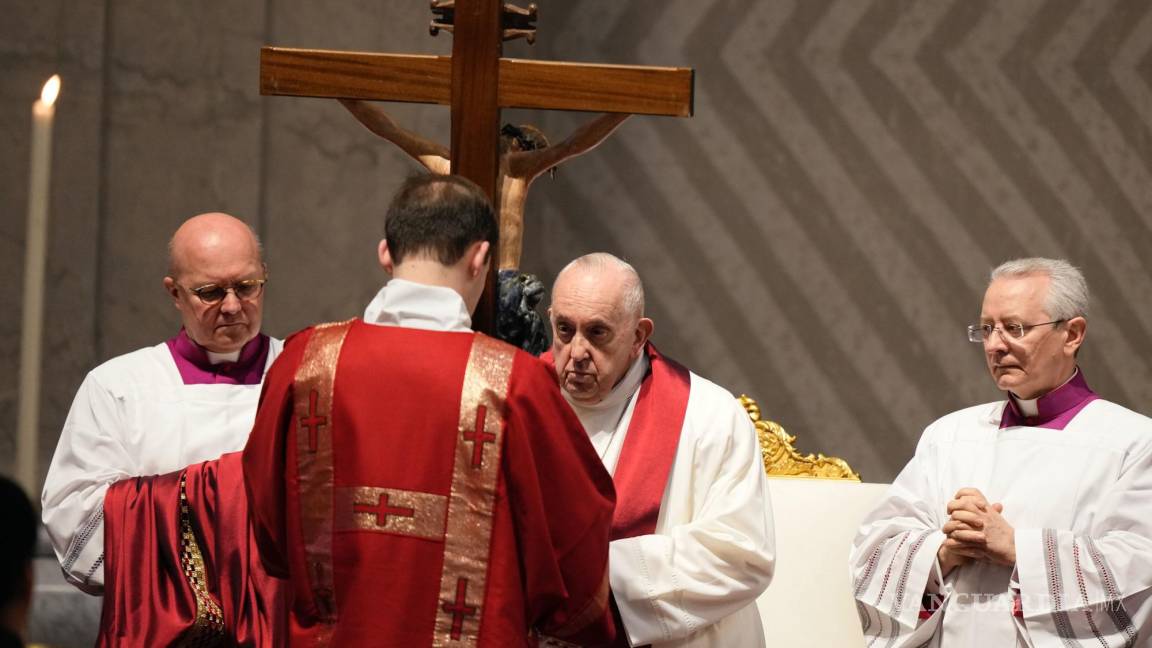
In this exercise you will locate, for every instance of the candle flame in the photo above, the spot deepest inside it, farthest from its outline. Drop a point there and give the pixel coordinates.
(51, 90)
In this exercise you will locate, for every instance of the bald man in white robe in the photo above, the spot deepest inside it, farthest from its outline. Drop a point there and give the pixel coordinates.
(159, 409)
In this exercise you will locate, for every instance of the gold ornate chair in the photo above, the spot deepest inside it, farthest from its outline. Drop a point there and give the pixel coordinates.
(781, 459)
(817, 505)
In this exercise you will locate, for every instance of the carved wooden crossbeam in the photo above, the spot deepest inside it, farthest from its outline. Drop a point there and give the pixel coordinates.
(418, 78)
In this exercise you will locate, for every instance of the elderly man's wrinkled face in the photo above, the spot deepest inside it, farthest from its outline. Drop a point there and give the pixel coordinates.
(1044, 357)
(594, 338)
(216, 252)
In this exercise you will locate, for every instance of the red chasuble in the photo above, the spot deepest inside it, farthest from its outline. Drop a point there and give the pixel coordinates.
(427, 488)
(180, 563)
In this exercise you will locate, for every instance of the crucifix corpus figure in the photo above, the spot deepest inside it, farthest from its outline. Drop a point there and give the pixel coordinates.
(478, 82)
(525, 154)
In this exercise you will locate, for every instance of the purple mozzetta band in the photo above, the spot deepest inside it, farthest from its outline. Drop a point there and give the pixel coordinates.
(196, 369)
(1054, 409)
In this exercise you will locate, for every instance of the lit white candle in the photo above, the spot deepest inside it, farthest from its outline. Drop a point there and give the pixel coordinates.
(31, 338)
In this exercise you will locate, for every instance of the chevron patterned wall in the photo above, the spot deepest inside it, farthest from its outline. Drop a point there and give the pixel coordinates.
(817, 236)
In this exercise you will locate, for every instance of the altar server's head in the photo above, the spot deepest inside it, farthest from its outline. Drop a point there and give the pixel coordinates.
(598, 325)
(1032, 324)
(216, 276)
(440, 230)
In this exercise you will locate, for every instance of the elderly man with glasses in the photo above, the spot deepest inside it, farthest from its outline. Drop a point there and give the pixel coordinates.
(1023, 522)
(159, 409)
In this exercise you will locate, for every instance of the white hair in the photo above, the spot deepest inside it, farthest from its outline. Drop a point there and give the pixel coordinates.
(1067, 290)
(633, 300)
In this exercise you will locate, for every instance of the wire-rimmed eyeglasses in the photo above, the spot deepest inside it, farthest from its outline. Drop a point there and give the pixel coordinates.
(978, 333)
(246, 290)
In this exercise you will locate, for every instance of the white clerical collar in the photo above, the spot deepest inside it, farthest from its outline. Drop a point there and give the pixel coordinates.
(620, 394)
(1030, 407)
(419, 306)
(220, 358)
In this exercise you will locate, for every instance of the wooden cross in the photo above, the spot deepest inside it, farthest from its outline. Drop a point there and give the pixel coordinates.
(477, 82)
(313, 421)
(480, 437)
(381, 509)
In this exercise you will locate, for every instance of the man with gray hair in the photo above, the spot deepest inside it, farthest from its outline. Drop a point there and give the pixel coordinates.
(1022, 522)
(692, 539)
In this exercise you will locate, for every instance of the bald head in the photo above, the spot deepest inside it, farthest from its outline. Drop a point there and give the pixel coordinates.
(598, 325)
(213, 234)
(216, 250)
(618, 281)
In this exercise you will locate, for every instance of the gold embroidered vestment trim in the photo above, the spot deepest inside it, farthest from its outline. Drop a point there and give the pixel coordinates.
(471, 503)
(388, 510)
(208, 627)
(313, 425)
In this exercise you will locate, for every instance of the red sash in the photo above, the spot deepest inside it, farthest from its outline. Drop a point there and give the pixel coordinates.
(650, 447)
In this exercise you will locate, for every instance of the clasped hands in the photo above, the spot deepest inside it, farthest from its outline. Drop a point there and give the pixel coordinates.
(976, 530)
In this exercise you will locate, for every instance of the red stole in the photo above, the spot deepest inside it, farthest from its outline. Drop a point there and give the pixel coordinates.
(181, 563)
(649, 450)
(650, 446)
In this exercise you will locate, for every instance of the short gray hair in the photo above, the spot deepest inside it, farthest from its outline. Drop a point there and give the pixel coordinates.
(601, 261)
(1068, 295)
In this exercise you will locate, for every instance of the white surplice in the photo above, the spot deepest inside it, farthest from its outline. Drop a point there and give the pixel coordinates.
(134, 416)
(1080, 501)
(694, 583)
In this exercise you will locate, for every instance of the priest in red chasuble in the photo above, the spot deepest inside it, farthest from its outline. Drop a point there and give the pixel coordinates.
(421, 484)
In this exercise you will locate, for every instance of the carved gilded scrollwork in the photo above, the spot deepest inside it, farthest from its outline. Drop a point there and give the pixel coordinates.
(781, 458)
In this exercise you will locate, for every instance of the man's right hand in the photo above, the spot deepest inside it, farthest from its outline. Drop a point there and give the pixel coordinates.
(965, 516)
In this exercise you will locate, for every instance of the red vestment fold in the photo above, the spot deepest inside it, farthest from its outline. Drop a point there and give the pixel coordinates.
(180, 563)
(650, 446)
(427, 488)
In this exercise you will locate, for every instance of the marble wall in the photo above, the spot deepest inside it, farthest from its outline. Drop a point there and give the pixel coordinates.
(37, 40)
(816, 236)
